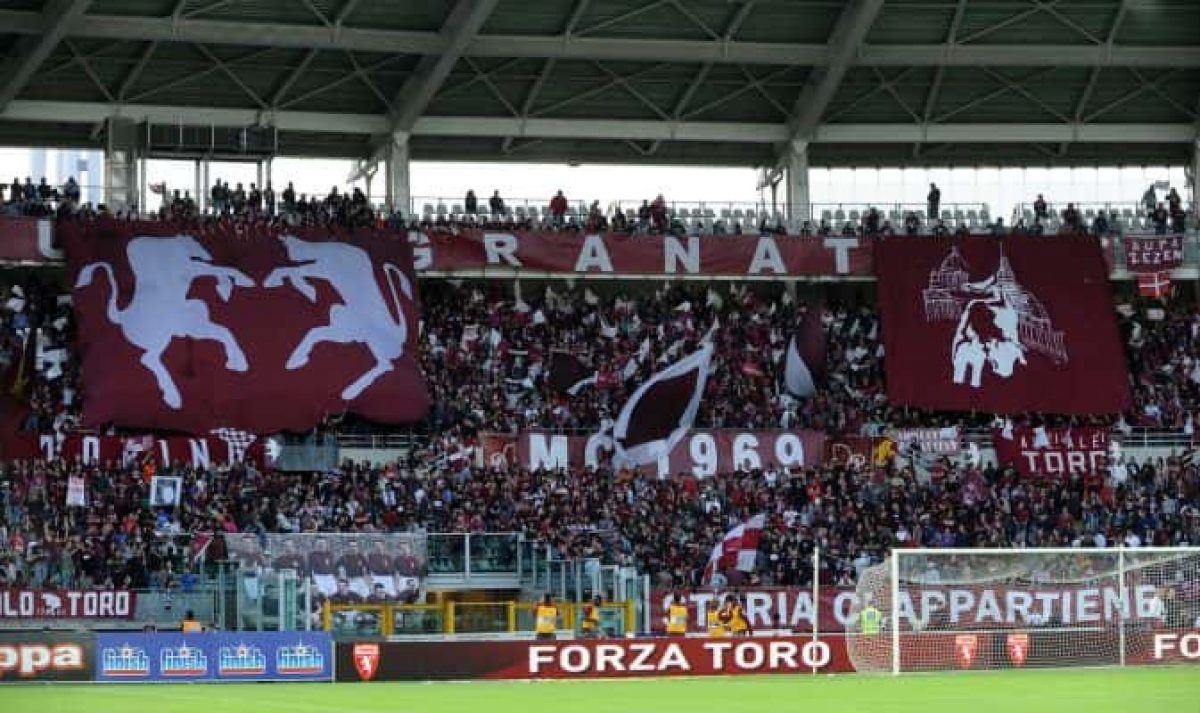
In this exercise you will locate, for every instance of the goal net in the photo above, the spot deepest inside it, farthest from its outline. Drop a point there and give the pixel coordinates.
(938, 610)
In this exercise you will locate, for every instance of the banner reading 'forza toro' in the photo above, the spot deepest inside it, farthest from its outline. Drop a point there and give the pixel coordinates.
(1009, 326)
(252, 330)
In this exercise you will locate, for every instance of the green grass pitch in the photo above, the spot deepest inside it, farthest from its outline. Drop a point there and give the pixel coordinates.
(1148, 690)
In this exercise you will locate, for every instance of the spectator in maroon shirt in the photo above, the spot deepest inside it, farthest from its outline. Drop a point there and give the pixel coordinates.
(558, 208)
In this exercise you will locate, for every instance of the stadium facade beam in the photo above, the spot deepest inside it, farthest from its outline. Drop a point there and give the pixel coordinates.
(465, 20)
(536, 128)
(720, 51)
(31, 51)
(461, 26)
(844, 43)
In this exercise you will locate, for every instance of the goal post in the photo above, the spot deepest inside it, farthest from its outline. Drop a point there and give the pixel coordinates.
(963, 609)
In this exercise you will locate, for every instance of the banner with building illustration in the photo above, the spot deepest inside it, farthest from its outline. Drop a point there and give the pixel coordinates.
(1001, 326)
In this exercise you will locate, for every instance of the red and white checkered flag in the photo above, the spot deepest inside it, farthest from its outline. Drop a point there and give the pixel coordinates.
(238, 442)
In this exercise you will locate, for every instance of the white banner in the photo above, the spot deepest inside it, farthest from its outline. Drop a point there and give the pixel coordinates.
(76, 492)
(165, 491)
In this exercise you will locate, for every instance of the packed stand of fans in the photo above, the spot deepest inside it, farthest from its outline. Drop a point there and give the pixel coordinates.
(663, 527)
(485, 352)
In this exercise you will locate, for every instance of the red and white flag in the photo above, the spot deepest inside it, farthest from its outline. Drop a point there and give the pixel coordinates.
(737, 550)
(1154, 284)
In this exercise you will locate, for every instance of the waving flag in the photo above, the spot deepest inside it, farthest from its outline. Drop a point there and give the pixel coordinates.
(661, 411)
(804, 366)
(1155, 285)
(568, 374)
(737, 550)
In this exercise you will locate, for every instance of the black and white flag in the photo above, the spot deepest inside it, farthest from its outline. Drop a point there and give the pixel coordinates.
(804, 364)
(568, 374)
(661, 411)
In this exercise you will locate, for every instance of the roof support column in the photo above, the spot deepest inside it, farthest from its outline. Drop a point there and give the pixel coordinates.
(396, 168)
(795, 166)
(122, 179)
(1196, 180)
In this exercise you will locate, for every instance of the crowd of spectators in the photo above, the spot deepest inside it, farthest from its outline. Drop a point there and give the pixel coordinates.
(664, 527)
(485, 353)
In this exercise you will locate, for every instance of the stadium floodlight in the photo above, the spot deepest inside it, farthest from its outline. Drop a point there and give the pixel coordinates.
(951, 609)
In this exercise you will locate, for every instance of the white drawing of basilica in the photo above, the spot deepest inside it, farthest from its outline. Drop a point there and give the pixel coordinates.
(999, 321)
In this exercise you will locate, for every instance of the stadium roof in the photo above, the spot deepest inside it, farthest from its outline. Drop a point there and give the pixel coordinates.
(863, 82)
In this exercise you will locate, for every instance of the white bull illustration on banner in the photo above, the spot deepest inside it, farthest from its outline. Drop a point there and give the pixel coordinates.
(160, 311)
(363, 317)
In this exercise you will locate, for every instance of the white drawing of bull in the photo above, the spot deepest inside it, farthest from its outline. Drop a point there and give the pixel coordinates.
(52, 604)
(160, 311)
(364, 315)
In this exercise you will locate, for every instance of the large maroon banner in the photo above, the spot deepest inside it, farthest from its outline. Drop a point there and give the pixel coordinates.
(733, 255)
(27, 240)
(67, 604)
(1003, 326)
(246, 328)
(1153, 253)
(1053, 452)
(701, 453)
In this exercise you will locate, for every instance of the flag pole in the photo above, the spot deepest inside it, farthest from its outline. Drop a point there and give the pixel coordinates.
(816, 599)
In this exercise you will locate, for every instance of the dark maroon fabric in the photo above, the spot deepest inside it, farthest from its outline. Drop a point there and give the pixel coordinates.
(984, 306)
(353, 287)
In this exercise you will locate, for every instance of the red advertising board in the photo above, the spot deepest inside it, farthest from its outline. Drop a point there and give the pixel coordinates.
(609, 658)
(1053, 452)
(702, 452)
(731, 255)
(67, 604)
(701, 656)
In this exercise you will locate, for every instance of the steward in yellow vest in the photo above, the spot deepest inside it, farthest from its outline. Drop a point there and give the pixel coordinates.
(545, 618)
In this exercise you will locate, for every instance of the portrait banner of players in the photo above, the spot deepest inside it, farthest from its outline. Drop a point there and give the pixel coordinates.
(379, 567)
